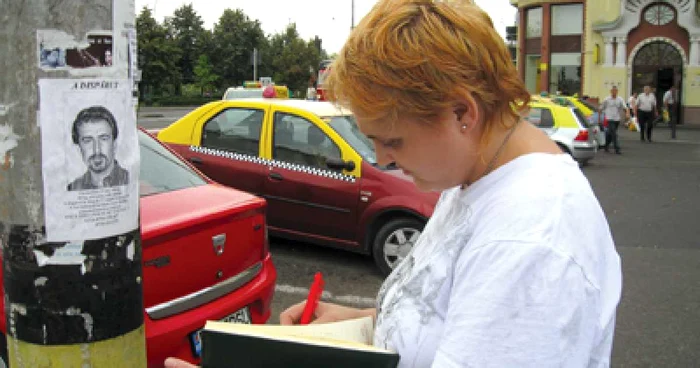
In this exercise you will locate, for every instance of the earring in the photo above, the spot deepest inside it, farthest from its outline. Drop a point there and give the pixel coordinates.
(464, 127)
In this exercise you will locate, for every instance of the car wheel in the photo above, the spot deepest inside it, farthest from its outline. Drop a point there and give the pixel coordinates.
(394, 241)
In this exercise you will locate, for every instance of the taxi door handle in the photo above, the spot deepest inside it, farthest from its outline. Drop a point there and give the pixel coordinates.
(195, 160)
(276, 176)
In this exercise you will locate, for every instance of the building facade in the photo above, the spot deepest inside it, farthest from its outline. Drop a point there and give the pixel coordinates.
(587, 46)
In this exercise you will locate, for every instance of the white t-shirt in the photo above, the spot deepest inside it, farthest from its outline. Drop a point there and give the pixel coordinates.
(668, 97)
(646, 102)
(517, 270)
(613, 108)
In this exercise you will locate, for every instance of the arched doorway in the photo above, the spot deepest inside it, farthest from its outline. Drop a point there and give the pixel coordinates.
(660, 65)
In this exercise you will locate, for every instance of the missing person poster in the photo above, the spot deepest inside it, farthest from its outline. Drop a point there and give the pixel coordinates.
(90, 158)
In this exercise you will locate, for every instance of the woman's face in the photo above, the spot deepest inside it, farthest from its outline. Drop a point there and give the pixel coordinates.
(437, 155)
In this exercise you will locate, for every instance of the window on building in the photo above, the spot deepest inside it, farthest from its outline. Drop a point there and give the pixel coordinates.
(534, 23)
(532, 73)
(565, 74)
(567, 19)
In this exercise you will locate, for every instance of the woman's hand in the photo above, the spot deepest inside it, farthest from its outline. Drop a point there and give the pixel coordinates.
(325, 313)
(177, 363)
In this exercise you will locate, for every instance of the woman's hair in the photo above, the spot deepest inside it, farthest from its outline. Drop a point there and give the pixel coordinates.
(416, 57)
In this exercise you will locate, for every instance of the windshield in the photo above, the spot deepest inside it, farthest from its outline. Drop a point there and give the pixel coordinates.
(161, 171)
(347, 128)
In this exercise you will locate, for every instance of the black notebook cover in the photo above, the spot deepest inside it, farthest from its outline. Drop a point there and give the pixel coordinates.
(225, 350)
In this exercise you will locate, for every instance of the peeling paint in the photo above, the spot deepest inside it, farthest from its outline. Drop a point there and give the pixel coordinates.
(8, 141)
(85, 354)
(5, 108)
(88, 321)
(130, 251)
(69, 254)
(19, 308)
(41, 281)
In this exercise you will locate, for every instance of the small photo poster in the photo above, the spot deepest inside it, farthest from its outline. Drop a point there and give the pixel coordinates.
(90, 158)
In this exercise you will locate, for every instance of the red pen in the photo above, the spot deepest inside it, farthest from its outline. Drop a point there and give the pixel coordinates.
(312, 300)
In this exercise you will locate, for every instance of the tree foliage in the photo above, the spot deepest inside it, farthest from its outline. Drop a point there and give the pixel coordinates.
(234, 38)
(293, 61)
(204, 75)
(158, 55)
(181, 51)
(188, 32)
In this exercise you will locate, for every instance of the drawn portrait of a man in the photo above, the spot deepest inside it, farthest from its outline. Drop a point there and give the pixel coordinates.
(95, 133)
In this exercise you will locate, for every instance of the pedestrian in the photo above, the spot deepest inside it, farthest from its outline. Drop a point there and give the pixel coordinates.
(614, 109)
(646, 106)
(632, 104)
(311, 92)
(505, 273)
(670, 104)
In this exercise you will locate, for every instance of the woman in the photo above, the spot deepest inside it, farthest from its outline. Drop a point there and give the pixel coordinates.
(517, 266)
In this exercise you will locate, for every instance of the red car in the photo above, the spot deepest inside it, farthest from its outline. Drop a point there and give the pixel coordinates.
(205, 255)
(317, 171)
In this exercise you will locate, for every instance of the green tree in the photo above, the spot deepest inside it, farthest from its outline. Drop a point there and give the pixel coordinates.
(233, 39)
(205, 78)
(186, 27)
(293, 61)
(158, 56)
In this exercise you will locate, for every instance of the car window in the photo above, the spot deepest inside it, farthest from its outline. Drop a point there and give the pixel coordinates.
(588, 104)
(299, 141)
(540, 117)
(346, 127)
(161, 171)
(234, 130)
(581, 118)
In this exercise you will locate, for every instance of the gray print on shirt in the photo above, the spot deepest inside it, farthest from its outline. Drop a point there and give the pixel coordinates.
(418, 283)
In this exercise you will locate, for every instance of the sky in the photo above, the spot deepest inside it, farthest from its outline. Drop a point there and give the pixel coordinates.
(328, 19)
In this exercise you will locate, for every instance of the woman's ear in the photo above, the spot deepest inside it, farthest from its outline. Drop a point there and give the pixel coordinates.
(466, 112)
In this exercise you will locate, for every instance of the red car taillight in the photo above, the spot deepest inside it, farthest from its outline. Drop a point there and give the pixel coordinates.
(582, 136)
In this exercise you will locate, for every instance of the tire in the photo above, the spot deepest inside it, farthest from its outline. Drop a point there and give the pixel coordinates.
(398, 236)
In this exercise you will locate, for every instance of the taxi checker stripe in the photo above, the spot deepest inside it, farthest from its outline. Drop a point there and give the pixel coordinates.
(275, 163)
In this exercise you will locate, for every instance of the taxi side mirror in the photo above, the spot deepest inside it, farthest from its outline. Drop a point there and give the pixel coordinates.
(340, 164)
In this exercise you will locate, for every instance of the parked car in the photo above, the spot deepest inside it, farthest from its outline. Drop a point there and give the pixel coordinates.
(566, 126)
(317, 171)
(589, 111)
(205, 255)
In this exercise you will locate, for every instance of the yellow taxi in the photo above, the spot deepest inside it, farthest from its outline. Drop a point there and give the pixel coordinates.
(566, 126)
(587, 109)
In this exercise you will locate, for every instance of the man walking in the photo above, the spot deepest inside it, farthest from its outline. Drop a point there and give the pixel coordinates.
(613, 108)
(669, 104)
(646, 105)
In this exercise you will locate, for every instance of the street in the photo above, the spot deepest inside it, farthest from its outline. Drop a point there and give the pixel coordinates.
(651, 197)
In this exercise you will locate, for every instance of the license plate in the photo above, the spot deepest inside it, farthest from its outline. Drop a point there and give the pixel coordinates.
(240, 316)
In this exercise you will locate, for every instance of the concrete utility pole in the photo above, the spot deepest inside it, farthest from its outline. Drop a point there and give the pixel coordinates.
(73, 302)
(352, 15)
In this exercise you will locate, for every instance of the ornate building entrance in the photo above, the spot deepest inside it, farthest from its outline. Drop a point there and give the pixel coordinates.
(658, 64)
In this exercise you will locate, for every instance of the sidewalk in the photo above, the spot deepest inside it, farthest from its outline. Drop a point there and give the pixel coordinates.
(662, 133)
